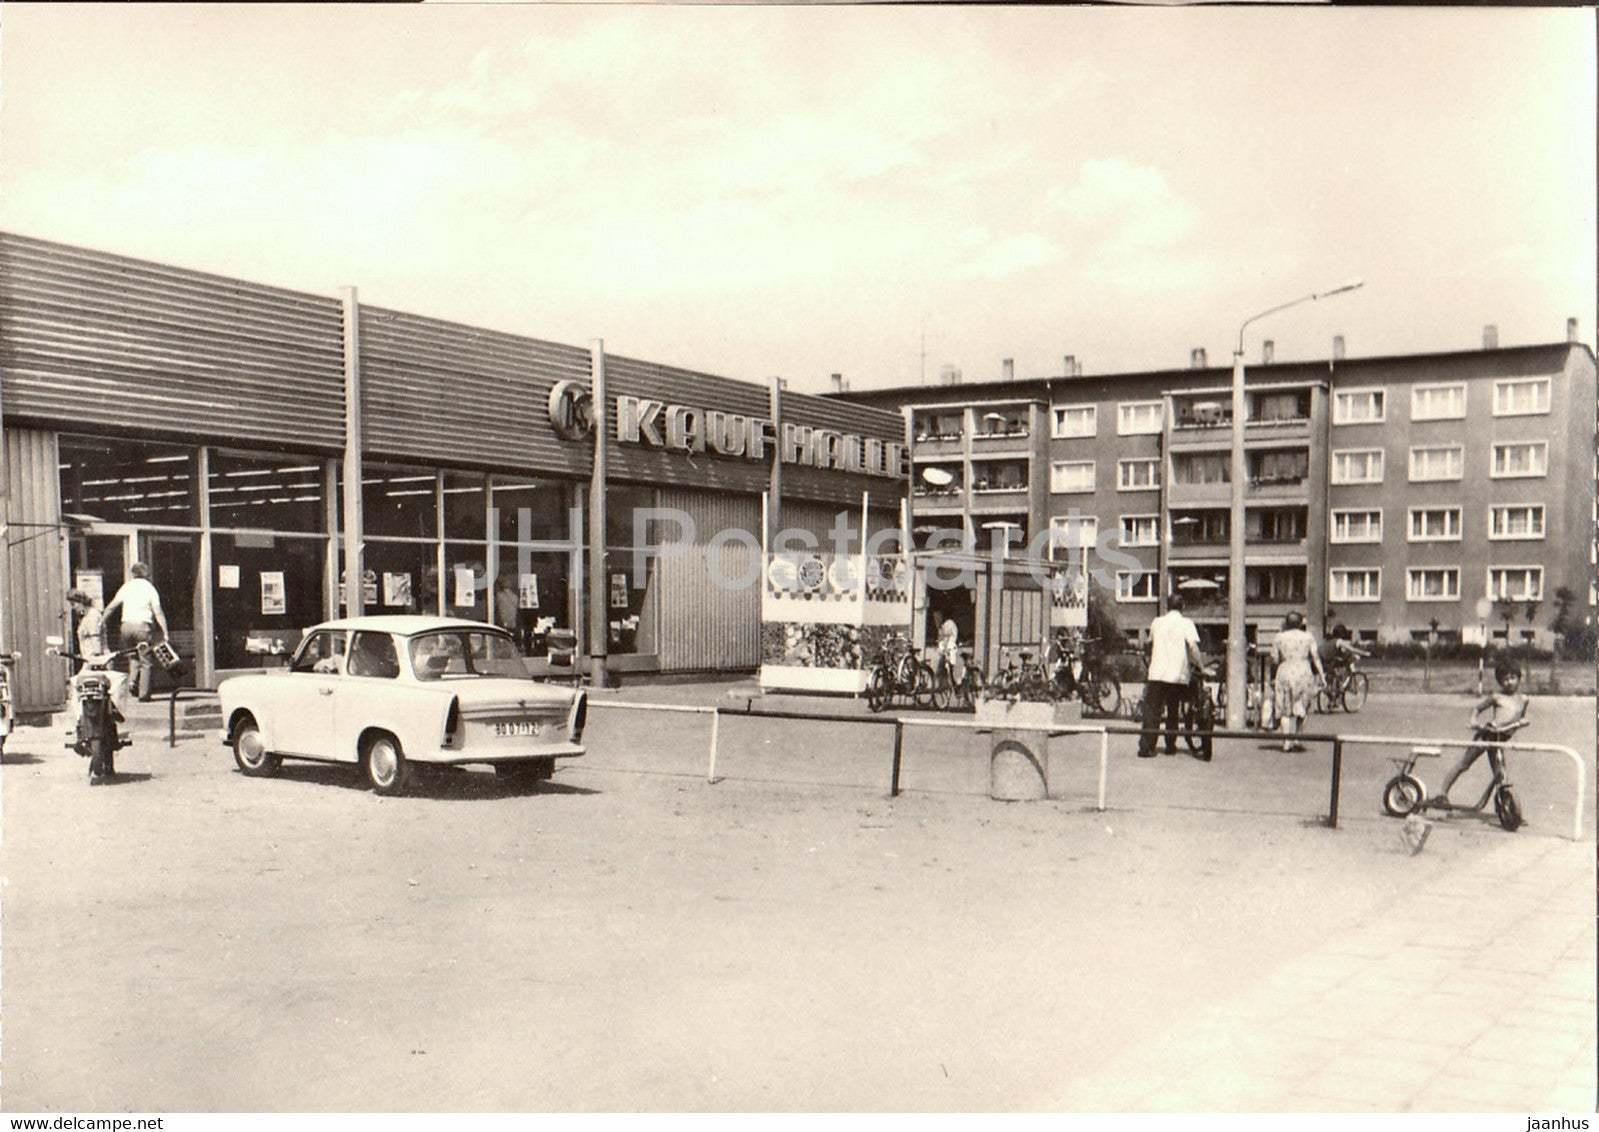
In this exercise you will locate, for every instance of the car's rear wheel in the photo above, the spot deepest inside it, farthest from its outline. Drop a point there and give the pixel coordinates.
(250, 752)
(386, 768)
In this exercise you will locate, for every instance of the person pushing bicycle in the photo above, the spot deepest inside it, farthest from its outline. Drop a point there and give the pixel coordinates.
(1506, 714)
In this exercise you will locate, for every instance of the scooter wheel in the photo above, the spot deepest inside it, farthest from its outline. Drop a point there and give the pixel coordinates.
(1402, 796)
(1508, 809)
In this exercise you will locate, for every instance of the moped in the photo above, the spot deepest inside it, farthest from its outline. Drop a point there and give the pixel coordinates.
(95, 688)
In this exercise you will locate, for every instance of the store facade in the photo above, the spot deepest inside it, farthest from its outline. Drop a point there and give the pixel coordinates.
(209, 427)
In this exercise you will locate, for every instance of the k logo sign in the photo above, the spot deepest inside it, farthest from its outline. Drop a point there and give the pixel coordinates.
(571, 410)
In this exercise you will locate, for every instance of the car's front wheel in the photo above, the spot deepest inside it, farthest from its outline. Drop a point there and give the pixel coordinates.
(250, 752)
(386, 768)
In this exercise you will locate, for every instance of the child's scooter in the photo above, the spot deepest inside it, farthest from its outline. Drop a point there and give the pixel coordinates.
(1406, 794)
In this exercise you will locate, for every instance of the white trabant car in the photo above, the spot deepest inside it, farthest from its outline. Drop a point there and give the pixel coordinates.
(387, 692)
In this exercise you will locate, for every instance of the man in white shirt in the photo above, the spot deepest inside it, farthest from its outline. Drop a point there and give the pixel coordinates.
(1173, 658)
(141, 615)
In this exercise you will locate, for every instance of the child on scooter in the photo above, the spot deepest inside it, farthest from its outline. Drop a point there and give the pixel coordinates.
(1507, 714)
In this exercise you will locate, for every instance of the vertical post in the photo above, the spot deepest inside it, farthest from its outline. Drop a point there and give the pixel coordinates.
(205, 605)
(774, 491)
(1104, 757)
(899, 748)
(599, 578)
(716, 727)
(1236, 644)
(352, 453)
(1337, 774)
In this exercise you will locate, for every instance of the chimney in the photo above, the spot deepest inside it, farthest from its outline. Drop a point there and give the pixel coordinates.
(1490, 337)
(1338, 348)
(838, 382)
(1196, 358)
(1268, 352)
(1007, 369)
(949, 375)
(782, 383)
(1571, 330)
(1071, 365)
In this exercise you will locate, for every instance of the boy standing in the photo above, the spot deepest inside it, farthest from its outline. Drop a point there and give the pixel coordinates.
(1507, 713)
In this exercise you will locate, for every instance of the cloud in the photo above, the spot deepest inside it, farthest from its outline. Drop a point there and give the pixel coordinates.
(1127, 222)
(1006, 256)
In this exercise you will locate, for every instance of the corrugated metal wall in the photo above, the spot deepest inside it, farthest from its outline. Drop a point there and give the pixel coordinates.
(35, 567)
(441, 392)
(705, 625)
(104, 340)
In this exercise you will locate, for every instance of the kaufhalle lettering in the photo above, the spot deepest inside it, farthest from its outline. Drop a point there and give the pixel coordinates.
(687, 428)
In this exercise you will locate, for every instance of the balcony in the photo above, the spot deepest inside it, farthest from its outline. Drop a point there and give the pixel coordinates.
(1279, 486)
(1198, 550)
(1180, 494)
(938, 446)
(1276, 429)
(938, 500)
(1011, 442)
(994, 500)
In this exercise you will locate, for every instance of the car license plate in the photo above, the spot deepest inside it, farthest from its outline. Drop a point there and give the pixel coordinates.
(516, 728)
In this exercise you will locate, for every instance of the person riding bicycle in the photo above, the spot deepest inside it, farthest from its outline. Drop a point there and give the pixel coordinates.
(1339, 653)
(1507, 714)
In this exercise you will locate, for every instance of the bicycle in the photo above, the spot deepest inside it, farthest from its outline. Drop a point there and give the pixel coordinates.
(1201, 709)
(1022, 677)
(956, 680)
(1406, 794)
(1075, 670)
(896, 671)
(1346, 687)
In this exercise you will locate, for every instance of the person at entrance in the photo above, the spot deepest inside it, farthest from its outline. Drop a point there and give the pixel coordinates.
(141, 617)
(89, 629)
(1173, 658)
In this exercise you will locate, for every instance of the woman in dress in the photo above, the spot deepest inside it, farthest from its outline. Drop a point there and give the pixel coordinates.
(1298, 672)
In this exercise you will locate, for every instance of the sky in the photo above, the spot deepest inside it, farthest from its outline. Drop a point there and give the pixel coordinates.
(880, 192)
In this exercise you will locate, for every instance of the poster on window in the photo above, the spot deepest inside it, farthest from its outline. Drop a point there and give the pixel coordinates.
(465, 587)
(227, 577)
(618, 591)
(274, 597)
(397, 589)
(91, 582)
(527, 591)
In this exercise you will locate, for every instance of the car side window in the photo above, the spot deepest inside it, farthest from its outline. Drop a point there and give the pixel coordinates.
(321, 653)
(372, 654)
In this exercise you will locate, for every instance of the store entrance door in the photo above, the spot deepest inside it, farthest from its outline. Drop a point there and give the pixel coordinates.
(99, 562)
(174, 567)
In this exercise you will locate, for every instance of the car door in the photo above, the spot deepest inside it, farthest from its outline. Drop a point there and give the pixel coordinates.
(303, 708)
(369, 691)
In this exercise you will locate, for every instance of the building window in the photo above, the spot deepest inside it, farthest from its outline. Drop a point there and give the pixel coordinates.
(1520, 459)
(1357, 526)
(1139, 418)
(1282, 405)
(1195, 528)
(1355, 585)
(1515, 583)
(1276, 524)
(1076, 420)
(1359, 406)
(1204, 469)
(1075, 530)
(126, 481)
(1517, 521)
(1140, 530)
(1357, 465)
(1072, 475)
(1435, 524)
(1137, 475)
(1437, 462)
(940, 426)
(1275, 583)
(1135, 585)
(1521, 397)
(1432, 583)
(1284, 467)
(999, 475)
(1438, 402)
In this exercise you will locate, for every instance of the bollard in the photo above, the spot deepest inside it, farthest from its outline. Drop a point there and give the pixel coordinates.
(1019, 755)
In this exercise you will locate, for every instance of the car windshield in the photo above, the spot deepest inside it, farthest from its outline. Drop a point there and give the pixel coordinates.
(457, 653)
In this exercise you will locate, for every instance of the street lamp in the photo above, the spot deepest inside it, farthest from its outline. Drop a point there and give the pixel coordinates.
(1236, 645)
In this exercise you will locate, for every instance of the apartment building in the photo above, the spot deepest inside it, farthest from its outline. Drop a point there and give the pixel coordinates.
(1403, 496)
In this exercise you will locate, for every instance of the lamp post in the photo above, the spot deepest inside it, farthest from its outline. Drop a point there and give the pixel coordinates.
(1237, 649)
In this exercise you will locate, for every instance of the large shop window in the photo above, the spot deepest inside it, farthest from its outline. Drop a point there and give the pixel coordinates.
(267, 589)
(532, 510)
(271, 493)
(122, 481)
(532, 595)
(399, 503)
(632, 584)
